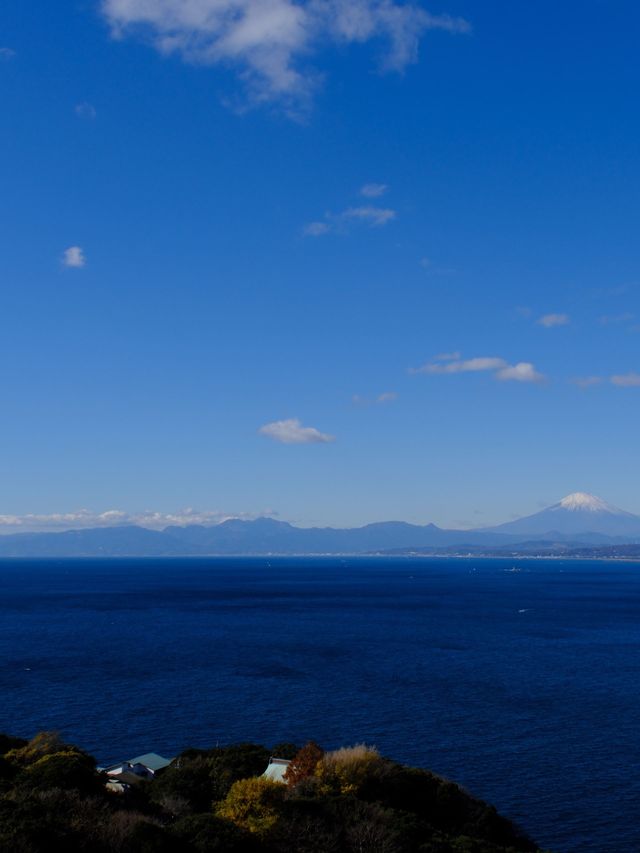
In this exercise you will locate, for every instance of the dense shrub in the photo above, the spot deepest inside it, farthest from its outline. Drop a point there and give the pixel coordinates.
(8, 742)
(66, 770)
(346, 770)
(351, 800)
(43, 744)
(285, 750)
(200, 778)
(206, 833)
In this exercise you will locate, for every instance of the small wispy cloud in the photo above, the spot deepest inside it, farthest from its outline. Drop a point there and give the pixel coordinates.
(380, 400)
(316, 229)
(471, 365)
(373, 190)
(626, 380)
(615, 290)
(292, 431)
(587, 381)
(448, 356)
(85, 110)
(452, 363)
(268, 42)
(523, 371)
(620, 380)
(431, 269)
(74, 257)
(369, 215)
(84, 519)
(6, 54)
(551, 320)
(617, 319)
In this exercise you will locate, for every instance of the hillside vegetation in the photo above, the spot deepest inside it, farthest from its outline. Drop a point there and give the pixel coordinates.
(352, 800)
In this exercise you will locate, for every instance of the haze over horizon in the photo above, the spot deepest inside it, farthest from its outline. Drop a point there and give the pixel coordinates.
(340, 269)
(578, 504)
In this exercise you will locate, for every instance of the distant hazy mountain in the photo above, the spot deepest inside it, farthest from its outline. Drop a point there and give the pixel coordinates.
(265, 535)
(235, 537)
(577, 520)
(574, 515)
(95, 542)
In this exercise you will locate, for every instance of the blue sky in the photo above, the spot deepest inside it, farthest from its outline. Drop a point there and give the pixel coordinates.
(238, 236)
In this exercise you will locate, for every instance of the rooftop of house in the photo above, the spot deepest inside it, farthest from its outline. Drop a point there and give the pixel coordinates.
(276, 769)
(151, 760)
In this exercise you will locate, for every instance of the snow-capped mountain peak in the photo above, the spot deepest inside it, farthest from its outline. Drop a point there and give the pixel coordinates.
(574, 515)
(583, 502)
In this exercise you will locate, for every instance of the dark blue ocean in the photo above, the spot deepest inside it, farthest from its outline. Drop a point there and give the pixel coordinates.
(523, 685)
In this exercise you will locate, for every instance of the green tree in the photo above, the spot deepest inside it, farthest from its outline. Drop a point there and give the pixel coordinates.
(206, 833)
(202, 777)
(285, 750)
(44, 743)
(67, 770)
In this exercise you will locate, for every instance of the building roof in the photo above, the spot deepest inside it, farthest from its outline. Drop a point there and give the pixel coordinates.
(276, 769)
(151, 760)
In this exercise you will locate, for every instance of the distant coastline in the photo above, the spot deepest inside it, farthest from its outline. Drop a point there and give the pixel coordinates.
(580, 525)
(558, 557)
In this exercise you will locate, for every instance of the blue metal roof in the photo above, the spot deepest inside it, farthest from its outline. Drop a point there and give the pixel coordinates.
(151, 760)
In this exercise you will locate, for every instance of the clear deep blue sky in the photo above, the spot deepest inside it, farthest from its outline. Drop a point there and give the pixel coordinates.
(224, 271)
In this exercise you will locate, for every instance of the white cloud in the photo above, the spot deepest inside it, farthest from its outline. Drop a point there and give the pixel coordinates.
(316, 229)
(450, 363)
(587, 381)
(472, 365)
(626, 380)
(621, 380)
(266, 41)
(6, 53)
(74, 257)
(373, 190)
(84, 519)
(374, 217)
(523, 371)
(291, 431)
(85, 110)
(386, 397)
(551, 320)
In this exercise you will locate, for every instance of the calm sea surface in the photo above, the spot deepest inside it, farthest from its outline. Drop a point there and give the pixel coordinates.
(521, 685)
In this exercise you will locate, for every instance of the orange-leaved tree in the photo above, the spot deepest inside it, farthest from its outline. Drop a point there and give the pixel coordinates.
(304, 764)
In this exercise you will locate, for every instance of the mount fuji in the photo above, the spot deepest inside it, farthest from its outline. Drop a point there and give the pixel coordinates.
(578, 513)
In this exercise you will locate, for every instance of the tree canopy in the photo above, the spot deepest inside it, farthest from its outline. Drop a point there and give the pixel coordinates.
(351, 800)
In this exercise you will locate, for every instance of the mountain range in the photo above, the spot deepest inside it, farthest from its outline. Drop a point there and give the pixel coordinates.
(578, 521)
